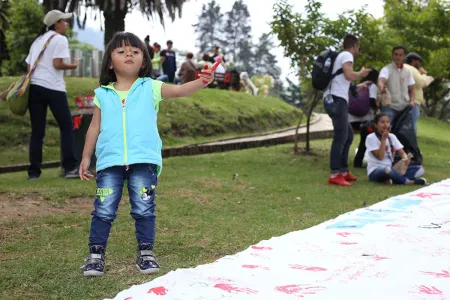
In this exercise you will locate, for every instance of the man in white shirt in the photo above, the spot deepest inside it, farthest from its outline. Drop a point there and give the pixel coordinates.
(336, 105)
(400, 83)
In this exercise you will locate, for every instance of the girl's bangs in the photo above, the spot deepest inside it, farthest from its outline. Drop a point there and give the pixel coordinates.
(126, 39)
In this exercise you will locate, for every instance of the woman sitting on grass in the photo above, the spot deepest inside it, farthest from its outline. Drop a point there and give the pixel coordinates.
(381, 146)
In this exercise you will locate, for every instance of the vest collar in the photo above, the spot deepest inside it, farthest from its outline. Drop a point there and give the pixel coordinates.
(138, 81)
(397, 66)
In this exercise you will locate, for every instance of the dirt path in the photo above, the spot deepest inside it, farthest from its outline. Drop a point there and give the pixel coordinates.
(21, 208)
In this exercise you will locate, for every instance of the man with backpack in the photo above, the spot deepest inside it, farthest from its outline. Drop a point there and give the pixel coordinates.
(334, 75)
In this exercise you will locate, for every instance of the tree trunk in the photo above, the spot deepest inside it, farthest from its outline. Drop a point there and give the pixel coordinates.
(114, 22)
(296, 149)
(308, 119)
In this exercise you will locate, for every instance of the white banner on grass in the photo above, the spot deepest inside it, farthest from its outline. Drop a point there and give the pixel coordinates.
(396, 249)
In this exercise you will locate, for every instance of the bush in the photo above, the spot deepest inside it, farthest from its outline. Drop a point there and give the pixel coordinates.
(26, 20)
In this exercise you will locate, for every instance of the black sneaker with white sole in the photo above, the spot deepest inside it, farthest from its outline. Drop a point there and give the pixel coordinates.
(420, 181)
(95, 262)
(146, 259)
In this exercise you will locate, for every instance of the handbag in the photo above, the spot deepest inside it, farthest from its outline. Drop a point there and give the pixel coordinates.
(18, 96)
(386, 99)
(402, 165)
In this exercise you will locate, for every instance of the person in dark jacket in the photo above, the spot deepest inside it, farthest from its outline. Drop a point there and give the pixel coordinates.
(169, 61)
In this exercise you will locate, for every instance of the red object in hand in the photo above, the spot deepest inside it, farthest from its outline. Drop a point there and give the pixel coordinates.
(214, 67)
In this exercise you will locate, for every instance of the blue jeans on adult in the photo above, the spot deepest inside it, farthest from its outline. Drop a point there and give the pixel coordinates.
(380, 175)
(142, 181)
(390, 112)
(415, 116)
(343, 134)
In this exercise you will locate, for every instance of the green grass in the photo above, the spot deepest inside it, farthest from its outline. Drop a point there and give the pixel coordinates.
(203, 214)
(207, 115)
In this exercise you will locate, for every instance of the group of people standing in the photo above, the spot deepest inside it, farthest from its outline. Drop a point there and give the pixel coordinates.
(397, 86)
(164, 63)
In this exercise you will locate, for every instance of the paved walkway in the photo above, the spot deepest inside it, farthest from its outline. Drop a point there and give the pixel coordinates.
(322, 123)
(320, 128)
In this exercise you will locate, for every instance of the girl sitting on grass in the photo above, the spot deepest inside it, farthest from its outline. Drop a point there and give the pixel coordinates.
(381, 146)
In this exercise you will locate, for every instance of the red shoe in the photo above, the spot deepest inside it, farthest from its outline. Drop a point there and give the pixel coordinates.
(339, 180)
(350, 177)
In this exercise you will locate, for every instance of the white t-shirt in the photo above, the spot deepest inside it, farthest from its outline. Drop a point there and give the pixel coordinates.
(373, 143)
(340, 85)
(370, 115)
(384, 73)
(45, 74)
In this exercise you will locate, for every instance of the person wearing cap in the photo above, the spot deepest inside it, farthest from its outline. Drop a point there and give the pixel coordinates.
(422, 80)
(48, 89)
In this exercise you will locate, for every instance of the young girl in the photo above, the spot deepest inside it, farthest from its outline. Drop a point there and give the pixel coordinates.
(128, 147)
(381, 146)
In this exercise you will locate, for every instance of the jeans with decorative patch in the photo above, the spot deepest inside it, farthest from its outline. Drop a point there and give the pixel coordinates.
(142, 181)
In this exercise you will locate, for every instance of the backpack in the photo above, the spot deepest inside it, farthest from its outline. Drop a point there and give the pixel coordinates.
(322, 73)
(359, 106)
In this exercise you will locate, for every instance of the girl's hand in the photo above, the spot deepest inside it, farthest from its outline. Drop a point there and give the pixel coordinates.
(385, 134)
(84, 170)
(207, 75)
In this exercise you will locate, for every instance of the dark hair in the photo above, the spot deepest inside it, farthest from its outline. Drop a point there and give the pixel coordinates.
(147, 38)
(378, 117)
(350, 40)
(119, 40)
(205, 57)
(399, 47)
(189, 55)
(372, 76)
(44, 29)
(169, 42)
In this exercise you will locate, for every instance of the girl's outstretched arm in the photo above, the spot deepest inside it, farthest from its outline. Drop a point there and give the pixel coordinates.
(89, 144)
(174, 91)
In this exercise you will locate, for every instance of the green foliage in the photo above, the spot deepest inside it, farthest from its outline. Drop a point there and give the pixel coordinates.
(264, 83)
(26, 20)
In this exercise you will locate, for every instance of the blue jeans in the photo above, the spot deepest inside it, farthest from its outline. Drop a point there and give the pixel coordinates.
(142, 181)
(413, 172)
(343, 134)
(415, 116)
(390, 112)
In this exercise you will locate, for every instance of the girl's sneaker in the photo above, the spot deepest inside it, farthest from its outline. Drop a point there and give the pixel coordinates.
(420, 181)
(95, 262)
(146, 259)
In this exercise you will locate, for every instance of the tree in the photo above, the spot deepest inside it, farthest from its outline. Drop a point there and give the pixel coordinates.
(264, 61)
(302, 38)
(26, 19)
(238, 36)
(4, 25)
(292, 94)
(209, 27)
(114, 11)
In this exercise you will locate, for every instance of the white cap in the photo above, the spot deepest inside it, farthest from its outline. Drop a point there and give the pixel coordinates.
(54, 16)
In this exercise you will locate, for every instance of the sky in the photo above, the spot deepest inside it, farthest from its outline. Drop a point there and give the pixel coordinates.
(183, 35)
